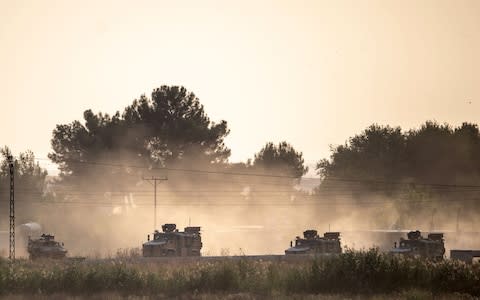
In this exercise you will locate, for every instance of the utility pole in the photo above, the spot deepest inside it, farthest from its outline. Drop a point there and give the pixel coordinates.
(457, 229)
(12, 209)
(155, 179)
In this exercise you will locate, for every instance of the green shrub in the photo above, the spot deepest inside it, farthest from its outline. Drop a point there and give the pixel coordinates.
(364, 272)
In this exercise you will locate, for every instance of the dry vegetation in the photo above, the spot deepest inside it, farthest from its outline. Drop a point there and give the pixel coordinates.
(364, 273)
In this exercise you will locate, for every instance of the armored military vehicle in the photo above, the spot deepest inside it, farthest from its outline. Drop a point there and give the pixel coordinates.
(172, 242)
(312, 243)
(416, 245)
(45, 247)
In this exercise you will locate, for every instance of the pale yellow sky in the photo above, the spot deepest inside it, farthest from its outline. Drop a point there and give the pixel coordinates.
(309, 72)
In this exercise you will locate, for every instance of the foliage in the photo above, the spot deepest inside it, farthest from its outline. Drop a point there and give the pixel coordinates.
(424, 164)
(376, 153)
(431, 154)
(281, 159)
(169, 128)
(27, 172)
(364, 272)
(30, 182)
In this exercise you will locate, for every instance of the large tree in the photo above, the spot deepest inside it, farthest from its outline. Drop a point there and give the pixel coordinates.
(442, 154)
(432, 164)
(176, 128)
(170, 129)
(378, 152)
(434, 153)
(281, 159)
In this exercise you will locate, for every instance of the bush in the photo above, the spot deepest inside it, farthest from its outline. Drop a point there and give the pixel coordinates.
(364, 272)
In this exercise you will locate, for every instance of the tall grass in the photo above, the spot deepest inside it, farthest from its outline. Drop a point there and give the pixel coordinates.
(366, 272)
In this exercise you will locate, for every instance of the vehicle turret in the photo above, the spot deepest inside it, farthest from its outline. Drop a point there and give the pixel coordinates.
(436, 236)
(310, 234)
(414, 235)
(332, 235)
(169, 227)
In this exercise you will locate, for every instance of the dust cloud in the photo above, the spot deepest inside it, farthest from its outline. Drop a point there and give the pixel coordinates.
(238, 215)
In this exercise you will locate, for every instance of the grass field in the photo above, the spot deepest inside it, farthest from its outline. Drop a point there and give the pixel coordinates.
(364, 274)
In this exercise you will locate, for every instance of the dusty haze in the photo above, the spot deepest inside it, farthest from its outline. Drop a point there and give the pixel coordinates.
(96, 223)
(309, 72)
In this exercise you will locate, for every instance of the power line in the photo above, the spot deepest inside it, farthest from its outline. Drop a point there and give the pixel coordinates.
(349, 189)
(264, 204)
(183, 170)
(339, 179)
(329, 179)
(106, 164)
(223, 193)
(335, 179)
(261, 199)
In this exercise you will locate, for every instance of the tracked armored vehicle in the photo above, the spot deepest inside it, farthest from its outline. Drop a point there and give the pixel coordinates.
(172, 242)
(415, 245)
(312, 243)
(45, 247)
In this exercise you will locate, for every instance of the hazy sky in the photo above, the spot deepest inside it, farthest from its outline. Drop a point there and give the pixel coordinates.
(312, 73)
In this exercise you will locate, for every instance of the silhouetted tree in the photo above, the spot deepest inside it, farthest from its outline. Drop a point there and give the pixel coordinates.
(416, 165)
(169, 129)
(377, 153)
(176, 128)
(441, 154)
(29, 176)
(281, 159)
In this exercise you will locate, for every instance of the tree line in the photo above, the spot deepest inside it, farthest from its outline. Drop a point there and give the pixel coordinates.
(171, 130)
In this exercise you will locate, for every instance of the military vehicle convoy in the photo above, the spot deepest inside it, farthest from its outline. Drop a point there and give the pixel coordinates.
(45, 247)
(172, 242)
(312, 243)
(416, 245)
